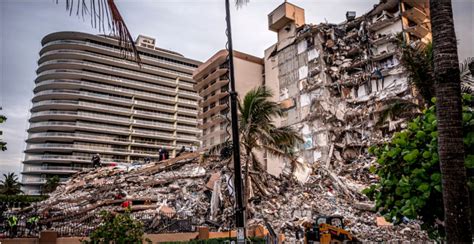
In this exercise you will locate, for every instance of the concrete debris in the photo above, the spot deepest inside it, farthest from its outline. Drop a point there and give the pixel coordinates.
(180, 187)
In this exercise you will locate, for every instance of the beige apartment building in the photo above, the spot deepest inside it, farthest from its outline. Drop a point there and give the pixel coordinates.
(212, 84)
(88, 100)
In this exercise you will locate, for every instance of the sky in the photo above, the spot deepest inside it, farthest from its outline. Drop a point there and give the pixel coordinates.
(194, 28)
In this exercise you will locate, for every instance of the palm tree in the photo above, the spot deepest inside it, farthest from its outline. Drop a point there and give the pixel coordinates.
(258, 133)
(449, 115)
(51, 184)
(10, 185)
(3, 145)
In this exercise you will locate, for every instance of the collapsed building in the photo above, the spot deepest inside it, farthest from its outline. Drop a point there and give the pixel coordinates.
(339, 85)
(201, 191)
(342, 85)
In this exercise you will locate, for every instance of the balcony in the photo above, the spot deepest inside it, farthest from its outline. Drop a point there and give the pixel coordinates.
(78, 54)
(116, 51)
(61, 147)
(183, 93)
(51, 169)
(71, 94)
(153, 115)
(211, 111)
(187, 102)
(213, 99)
(41, 126)
(416, 15)
(187, 120)
(214, 87)
(30, 180)
(154, 105)
(44, 136)
(56, 104)
(36, 116)
(213, 76)
(418, 30)
(71, 83)
(61, 158)
(186, 138)
(188, 129)
(79, 65)
(152, 133)
(216, 120)
(152, 124)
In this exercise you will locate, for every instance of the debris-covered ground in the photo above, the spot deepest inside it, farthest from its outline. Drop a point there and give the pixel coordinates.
(202, 189)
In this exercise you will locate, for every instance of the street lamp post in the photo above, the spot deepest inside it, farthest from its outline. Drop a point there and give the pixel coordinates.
(240, 211)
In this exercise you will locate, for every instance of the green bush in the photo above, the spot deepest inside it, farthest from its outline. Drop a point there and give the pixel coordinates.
(409, 172)
(21, 198)
(117, 229)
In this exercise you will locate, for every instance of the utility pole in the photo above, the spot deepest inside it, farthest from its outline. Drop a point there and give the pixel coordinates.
(240, 211)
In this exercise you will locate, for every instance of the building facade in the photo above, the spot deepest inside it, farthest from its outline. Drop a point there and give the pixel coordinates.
(212, 84)
(340, 84)
(88, 99)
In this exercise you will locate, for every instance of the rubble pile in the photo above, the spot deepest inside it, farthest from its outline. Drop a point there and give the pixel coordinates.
(202, 189)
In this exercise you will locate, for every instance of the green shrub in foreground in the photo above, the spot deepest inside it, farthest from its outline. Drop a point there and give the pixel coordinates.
(409, 172)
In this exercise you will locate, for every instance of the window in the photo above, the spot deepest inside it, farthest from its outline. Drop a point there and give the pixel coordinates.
(223, 100)
(211, 141)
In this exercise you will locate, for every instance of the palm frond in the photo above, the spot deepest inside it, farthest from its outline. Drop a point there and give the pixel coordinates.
(102, 12)
(467, 78)
(240, 3)
(418, 61)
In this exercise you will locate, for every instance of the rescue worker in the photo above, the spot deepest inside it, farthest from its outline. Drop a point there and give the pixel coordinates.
(163, 153)
(96, 161)
(32, 223)
(182, 150)
(12, 225)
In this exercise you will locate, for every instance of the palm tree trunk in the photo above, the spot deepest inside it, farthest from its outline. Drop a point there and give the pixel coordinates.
(247, 178)
(449, 114)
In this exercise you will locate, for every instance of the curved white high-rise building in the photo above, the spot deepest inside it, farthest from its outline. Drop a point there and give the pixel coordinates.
(89, 100)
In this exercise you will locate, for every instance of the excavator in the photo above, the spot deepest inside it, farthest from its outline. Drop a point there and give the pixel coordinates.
(327, 229)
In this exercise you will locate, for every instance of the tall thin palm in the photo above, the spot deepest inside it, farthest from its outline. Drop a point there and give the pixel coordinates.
(450, 131)
(3, 145)
(259, 133)
(10, 185)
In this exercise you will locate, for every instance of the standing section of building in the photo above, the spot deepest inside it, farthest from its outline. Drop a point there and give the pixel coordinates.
(88, 99)
(340, 84)
(212, 84)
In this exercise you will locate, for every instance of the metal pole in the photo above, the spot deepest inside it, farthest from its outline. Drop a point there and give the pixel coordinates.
(240, 211)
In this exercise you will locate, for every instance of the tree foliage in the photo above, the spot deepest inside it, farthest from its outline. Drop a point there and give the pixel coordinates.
(3, 145)
(10, 185)
(409, 171)
(51, 184)
(117, 228)
(418, 61)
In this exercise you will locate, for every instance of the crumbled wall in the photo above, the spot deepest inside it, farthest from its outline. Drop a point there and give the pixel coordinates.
(338, 84)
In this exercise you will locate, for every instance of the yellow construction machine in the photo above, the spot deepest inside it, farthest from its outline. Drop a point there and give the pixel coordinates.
(327, 229)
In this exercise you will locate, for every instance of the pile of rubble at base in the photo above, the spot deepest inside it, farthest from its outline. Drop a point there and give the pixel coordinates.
(203, 189)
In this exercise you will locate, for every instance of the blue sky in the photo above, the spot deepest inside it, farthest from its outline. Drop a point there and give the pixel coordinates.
(194, 28)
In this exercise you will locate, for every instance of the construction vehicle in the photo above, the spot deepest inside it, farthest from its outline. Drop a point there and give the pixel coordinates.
(327, 229)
